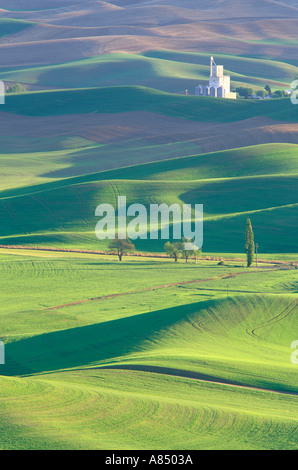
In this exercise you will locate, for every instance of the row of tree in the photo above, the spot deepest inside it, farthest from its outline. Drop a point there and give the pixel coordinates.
(16, 88)
(178, 249)
(246, 92)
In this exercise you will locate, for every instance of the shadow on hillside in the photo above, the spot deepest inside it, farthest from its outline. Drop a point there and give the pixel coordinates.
(100, 342)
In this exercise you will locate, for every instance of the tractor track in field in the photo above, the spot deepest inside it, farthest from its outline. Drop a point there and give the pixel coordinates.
(148, 289)
(277, 318)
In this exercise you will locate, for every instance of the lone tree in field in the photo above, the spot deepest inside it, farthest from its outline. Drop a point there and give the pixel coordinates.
(174, 250)
(249, 243)
(121, 247)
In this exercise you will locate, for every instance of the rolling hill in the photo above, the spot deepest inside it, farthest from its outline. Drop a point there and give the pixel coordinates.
(164, 70)
(265, 191)
(89, 416)
(103, 27)
(147, 353)
(217, 366)
(168, 338)
(257, 182)
(9, 26)
(134, 98)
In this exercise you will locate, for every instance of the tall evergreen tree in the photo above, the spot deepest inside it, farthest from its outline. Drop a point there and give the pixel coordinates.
(249, 243)
(268, 88)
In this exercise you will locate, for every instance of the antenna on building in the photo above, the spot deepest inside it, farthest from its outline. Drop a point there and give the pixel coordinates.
(212, 64)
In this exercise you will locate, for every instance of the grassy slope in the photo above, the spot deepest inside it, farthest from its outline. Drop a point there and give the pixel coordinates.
(258, 182)
(244, 338)
(10, 26)
(256, 160)
(165, 70)
(45, 276)
(27, 168)
(37, 167)
(91, 410)
(226, 208)
(29, 161)
(132, 98)
(255, 347)
(41, 167)
(77, 227)
(250, 67)
(201, 331)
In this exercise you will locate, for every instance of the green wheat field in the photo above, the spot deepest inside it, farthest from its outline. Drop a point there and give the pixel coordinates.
(145, 353)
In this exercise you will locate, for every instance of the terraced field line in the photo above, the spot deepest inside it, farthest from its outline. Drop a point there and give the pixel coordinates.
(164, 286)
